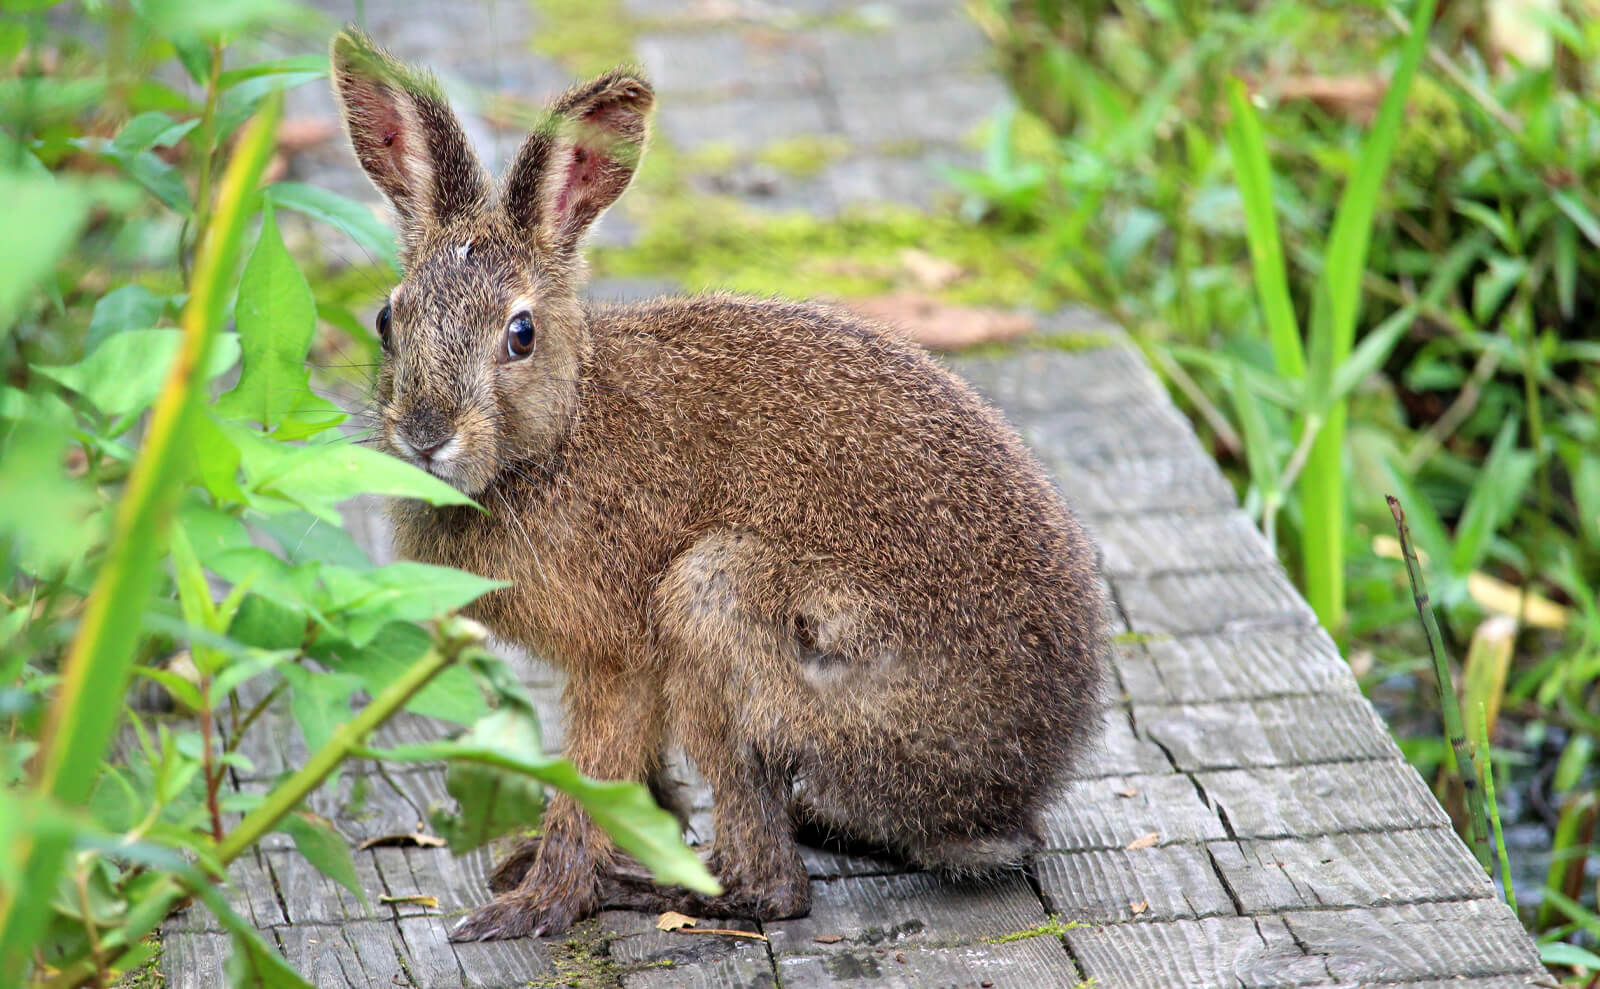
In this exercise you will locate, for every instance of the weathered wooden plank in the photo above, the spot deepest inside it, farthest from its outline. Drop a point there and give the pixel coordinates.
(488, 964)
(1044, 380)
(1115, 885)
(1033, 963)
(1237, 952)
(1273, 732)
(1106, 438)
(912, 909)
(1372, 868)
(1142, 545)
(1133, 486)
(350, 957)
(430, 958)
(1224, 600)
(458, 883)
(1290, 801)
(312, 898)
(739, 972)
(193, 959)
(1118, 751)
(1417, 941)
(1114, 811)
(1243, 665)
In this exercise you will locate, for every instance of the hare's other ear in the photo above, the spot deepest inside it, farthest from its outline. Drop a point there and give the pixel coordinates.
(579, 160)
(405, 136)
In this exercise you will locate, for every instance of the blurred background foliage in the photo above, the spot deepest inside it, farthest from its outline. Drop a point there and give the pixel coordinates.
(1474, 381)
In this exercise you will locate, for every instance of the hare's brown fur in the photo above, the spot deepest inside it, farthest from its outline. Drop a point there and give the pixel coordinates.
(767, 531)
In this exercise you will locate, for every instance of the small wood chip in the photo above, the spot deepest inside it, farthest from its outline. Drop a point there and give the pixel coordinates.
(1142, 842)
(928, 271)
(1140, 907)
(900, 956)
(432, 902)
(987, 984)
(1129, 792)
(415, 839)
(674, 921)
(828, 938)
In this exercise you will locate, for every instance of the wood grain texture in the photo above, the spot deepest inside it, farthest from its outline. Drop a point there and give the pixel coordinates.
(1168, 542)
(1244, 952)
(1111, 886)
(1417, 941)
(1217, 601)
(1036, 962)
(1324, 798)
(1222, 666)
(1274, 732)
(1114, 811)
(1372, 868)
(908, 910)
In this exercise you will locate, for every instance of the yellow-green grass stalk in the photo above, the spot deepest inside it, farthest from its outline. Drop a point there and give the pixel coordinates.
(94, 675)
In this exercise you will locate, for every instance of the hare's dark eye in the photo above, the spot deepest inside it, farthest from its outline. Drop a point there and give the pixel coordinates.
(383, 324)
(519, 336)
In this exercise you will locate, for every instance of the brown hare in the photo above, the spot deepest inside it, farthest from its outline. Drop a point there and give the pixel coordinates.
(766, 531)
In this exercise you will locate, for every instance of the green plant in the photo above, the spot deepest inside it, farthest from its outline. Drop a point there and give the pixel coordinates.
(136, 505)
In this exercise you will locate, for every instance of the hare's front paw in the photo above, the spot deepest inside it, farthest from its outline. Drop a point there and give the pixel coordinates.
(519, 914)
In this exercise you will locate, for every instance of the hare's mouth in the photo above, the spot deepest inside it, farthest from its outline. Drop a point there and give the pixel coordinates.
(441, 459)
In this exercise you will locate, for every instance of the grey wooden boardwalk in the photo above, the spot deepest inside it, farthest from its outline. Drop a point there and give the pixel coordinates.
(1246, 821)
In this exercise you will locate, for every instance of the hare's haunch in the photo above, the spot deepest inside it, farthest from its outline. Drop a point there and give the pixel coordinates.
(768, 532)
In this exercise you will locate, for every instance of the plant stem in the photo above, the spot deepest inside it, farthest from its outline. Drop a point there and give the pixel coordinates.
(280, 802)
(1487, 769)
(1456, 753)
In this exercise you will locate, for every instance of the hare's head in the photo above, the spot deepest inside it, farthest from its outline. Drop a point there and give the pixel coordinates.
(483, 337)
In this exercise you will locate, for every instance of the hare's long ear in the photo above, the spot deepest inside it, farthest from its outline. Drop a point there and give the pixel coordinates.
(406, 137)
(578, 161)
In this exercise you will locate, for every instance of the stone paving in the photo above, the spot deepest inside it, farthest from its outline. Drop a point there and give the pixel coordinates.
(1246, 821)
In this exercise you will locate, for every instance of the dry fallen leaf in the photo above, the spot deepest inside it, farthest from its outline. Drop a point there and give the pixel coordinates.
(432, 902)
(674, 921)
(939, 325)
(1140, 907)
(828, 938)
(1491, 593)
(928, 271)
(1142, 842)
(415, 839)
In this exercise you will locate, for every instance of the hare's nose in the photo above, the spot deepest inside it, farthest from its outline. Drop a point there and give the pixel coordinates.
(426, 444)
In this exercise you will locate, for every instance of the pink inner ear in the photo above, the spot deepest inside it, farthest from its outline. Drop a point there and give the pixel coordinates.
(586, 165)
(388, 127)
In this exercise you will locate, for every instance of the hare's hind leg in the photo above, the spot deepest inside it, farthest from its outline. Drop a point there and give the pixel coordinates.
(730, 684)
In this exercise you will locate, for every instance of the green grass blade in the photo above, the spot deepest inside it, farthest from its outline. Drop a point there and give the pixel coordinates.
(94, 675)
(1333, 322)
(1253, 173)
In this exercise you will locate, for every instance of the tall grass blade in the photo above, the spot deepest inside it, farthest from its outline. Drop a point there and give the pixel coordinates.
(1333, 327)
(1253, 173)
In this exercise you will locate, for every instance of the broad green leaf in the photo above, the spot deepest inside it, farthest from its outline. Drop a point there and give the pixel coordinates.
(322, 846)
(320, 702)
(453, 695)
(492, 801)
(318, 478)
(317, 64)
(255, 964)
(150, 130)
(126, 372)
(276, 316)
(268, 624)
(624, 810)
(407, 592)
(52, 517)
(130, 307)
(303, 537)
(40, 221)
(216, 461)
(343, 214)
